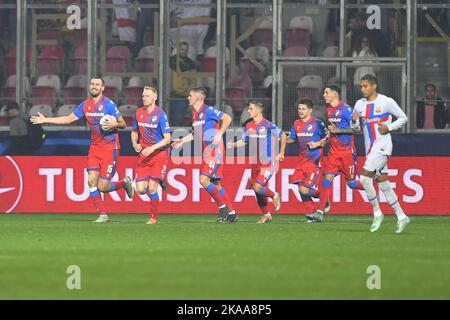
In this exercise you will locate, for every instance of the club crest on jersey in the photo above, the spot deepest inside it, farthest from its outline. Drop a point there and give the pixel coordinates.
(336, 114)
(200, 116)
(262, 130)
(141, 116)
(100, 107)
(310, 127)
(154, 119)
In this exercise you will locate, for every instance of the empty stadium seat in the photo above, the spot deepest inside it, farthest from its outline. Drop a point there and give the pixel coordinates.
(78, 62)
(261, 55)
(237, 90)
(331, 52)
(299, 31)
(209, 60)
(128, 112)
(50, 60)
(66, 109)
(46, 110)
(263, 35)
(294, 72)
(111, 93)
(117, 59)
(113, 81)
(144, 62)
(133, 92)
(310, 87)
(10, 60)
(75, 90)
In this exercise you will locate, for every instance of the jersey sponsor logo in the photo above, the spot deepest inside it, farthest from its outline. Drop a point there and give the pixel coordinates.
(335, 119)
(261, 136)
(198, 123)
(95, 114)
(305, 134)
(148, 125)
(371, 120)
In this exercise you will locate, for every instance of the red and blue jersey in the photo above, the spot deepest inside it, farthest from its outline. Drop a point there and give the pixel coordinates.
(312, 130)
(151, 127)
(205, 123)
(341, 117)
(262, 138)
(93, 112)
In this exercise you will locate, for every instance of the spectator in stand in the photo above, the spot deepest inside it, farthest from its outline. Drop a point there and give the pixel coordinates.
(18, 131)
(182, 81)
(363, 49)
(431, 112)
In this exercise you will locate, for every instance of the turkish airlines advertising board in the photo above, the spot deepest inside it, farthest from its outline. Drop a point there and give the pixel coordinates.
(59, 185)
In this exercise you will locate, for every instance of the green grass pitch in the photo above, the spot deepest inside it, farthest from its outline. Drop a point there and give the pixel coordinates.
(192, 257)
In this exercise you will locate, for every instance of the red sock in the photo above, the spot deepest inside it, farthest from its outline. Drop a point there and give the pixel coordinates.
(98, 202)
(154, 201)
(116, 185)
(325, 193)
(215, 194)
(226, 199)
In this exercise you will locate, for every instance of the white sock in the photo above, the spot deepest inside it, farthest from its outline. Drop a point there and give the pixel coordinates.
(392, 199)
(371, 194)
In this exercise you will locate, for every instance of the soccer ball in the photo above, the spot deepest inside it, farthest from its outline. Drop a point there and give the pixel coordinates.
(107, 118)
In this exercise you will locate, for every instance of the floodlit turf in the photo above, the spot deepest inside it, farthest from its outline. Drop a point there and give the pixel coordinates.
(192, 257)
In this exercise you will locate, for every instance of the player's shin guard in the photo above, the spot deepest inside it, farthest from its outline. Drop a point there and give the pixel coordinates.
(262, 203)
(325, 193)
(308, 203)
(215, 194)
(116, 185)
(367, 183)
(265, 192)
(355, 184)
(392, 199)
(227, 201)
(154, 201)
(94, 194)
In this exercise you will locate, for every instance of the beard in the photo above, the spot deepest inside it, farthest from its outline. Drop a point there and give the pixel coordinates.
(95, 94)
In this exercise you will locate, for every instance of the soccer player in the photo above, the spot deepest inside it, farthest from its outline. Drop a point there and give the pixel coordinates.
(307, 132)
(205, 123)
(151, 139)
(375, 112)
(342, 153)
(261, 134)
(104, 150)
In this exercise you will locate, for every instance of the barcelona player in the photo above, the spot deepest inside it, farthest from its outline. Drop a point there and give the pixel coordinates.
(151, 138)
(375, 113)
(104, 150)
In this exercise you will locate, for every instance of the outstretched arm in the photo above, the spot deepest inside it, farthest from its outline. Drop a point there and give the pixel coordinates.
(41, 119)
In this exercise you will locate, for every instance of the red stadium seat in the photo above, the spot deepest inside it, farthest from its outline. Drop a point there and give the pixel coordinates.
(74, 95)
(300, 29)
(117, 58)
(145, 60)
(260, 54)
(78, 62)
(112, 93)
(43, 95)
(237, 91)
(294, 72)
(264, 34)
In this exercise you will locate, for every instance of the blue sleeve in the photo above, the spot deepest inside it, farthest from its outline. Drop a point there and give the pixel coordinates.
(275, 130)
(164, 123)
(293, 134)
(135, 123)
(111, 108)
(213, 114)
(245, 136)
(322, 129)
(347, 116)
(78, 112)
